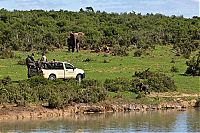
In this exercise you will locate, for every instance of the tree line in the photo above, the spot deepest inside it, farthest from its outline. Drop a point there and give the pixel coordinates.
(48, 30)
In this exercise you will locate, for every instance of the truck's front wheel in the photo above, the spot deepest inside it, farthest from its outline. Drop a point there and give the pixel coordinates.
(79, 78)
(52, 77)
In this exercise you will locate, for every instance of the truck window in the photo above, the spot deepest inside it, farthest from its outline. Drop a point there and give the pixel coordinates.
(59, 66)
(68, 66)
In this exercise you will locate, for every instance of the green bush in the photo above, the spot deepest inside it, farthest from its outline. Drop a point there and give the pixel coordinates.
(118, 84)
(56, 93)
(174, 69)
(158, 82)
(193, 66)
(91, 94)
(120, 51)
(138, 53)
(55, 101)
(6, 80)
(38, 80)
(90, 82)
(7, 53)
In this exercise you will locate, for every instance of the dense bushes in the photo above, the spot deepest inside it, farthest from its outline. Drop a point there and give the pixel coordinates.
(158, 82)
(60, 93)
(56, 93)
(120, 51)
(100, 28)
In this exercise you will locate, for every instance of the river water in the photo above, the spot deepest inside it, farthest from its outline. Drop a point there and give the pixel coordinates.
(152, 121)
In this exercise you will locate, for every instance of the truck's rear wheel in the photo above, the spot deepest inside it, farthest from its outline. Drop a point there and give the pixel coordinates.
(52, 77)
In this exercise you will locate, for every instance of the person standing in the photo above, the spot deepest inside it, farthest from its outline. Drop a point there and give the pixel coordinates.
(32, 57)
(44, 58)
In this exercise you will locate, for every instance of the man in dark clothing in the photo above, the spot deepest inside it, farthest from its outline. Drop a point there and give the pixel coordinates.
(30, 63)
(32, 57)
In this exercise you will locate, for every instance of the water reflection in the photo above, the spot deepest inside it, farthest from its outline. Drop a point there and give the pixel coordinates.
(165, 121)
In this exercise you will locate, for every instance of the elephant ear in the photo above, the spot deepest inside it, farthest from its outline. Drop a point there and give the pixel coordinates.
(81, 34)
(76, 34)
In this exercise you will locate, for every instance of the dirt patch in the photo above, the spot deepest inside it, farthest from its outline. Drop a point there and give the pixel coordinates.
(173, 95)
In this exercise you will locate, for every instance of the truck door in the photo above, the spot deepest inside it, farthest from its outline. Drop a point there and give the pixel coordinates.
(59, 70)
(69, 71)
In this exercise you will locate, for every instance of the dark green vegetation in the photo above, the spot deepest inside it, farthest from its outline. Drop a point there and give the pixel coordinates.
(56, 93)
(47, 30)
(194, 66)
(60, 93)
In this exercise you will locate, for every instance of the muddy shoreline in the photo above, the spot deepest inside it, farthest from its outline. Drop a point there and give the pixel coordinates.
(12, 112)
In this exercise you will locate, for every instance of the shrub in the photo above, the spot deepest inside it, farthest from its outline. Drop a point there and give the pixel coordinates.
(174, 69)
(90, 94)
(7, 53)
(6, 80)
(161, 83)
(90, 82)
(140, 95)
(55, 101)
(138, 53)
(38, 80)
(120, 51)
(158, 82)
(193, 66)
(186, 53)
(118, 84)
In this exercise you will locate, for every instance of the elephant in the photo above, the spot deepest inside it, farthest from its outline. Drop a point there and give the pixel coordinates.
(143, 88)
(75, 40)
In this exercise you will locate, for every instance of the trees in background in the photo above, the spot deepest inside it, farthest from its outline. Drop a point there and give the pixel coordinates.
(47, 30)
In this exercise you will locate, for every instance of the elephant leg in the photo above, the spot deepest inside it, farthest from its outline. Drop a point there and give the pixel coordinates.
(68, 48)
(77, 47)
(73, 48)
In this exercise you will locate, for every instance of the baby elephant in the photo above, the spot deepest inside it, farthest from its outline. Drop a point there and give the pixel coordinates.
(143, 87)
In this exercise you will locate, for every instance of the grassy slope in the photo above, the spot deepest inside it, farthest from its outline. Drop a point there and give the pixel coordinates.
(158, 60)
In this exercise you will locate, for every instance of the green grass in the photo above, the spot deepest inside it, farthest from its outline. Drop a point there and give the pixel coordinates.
(158, 60)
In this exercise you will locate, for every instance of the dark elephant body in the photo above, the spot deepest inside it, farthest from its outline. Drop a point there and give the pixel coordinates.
(74, 41)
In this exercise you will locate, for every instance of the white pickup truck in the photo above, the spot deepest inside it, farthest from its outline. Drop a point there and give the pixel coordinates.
(61, 70)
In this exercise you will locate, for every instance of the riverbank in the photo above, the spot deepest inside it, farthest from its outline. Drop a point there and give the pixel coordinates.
(12, 112)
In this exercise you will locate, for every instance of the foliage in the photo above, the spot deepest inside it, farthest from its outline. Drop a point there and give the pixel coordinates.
(7, 53)
(174, 69)
(6, 80)
(118, 84)
(158, 82)
(120, 51)
(138, 53)
(193, 65)
(47, 30)
(56, 93)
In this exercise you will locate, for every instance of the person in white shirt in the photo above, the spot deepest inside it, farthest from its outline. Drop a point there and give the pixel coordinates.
(44, 58)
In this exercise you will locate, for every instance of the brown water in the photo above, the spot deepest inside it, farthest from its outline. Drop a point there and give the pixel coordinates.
(154, 121)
